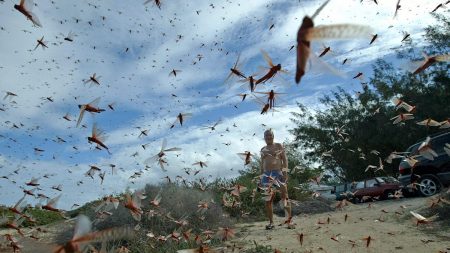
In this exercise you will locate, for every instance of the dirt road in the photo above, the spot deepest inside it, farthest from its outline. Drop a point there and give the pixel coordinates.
(389, 224)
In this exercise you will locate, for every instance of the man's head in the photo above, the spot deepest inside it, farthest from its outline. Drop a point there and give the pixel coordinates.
(268, 136)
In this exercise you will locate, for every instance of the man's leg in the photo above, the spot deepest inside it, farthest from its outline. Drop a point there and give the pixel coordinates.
(269, 211)
(285, 201)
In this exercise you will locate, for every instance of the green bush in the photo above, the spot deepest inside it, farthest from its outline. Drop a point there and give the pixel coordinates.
(260, 249)
(41, 217)
(178, 202)
(87, 209)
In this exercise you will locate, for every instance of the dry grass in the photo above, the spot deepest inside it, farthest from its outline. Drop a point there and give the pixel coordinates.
(177, 203)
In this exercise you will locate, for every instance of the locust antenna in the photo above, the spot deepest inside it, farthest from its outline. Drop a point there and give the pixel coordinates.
(320, 9)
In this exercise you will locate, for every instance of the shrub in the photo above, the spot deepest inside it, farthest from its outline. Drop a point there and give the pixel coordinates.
(177, 203)
(260, 249)
(42, 217)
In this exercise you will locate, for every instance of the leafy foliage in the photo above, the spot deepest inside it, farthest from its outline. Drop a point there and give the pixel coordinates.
(342, 138)
(177, 203)
(42, 217)
(260, 249)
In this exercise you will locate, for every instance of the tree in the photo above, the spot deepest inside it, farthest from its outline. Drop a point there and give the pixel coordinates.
(345, 137)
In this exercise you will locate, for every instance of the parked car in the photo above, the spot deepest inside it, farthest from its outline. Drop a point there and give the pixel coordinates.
(377, 187)
(429, 175)
(340, 191)
(325, 191)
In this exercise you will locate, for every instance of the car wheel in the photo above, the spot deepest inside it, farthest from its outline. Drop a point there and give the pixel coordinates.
(406, 193)
(355, 200)
(386, 194)
(428, 186)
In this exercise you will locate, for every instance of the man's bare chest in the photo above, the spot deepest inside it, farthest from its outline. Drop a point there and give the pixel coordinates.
(271, 152)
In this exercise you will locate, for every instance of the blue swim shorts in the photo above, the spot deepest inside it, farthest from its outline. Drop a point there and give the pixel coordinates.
(272, 177)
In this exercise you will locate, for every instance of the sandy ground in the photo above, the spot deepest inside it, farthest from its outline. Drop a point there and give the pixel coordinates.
(390, 231)
(391, 227)
(43, 245)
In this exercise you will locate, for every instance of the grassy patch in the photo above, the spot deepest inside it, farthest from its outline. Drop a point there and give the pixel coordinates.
(178, 203)
(41, 217)
(260, 249)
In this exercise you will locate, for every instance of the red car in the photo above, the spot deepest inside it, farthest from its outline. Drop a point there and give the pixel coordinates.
(378, 187)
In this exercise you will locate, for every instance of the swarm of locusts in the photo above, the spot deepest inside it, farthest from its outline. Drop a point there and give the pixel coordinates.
(84, 238)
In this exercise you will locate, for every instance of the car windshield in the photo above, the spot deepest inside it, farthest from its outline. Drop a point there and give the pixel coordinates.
(439, 143)
(413, 148)
(380, 180)
(358, 185)
(390, 180)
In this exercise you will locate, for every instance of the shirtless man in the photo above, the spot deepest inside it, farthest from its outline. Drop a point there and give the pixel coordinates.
(274, 168)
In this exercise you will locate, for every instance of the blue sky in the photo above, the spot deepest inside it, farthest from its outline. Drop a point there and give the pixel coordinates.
(139, 84)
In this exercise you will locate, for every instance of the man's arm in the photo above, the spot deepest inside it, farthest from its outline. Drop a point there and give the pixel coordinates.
(284, 161)
(262, 162)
